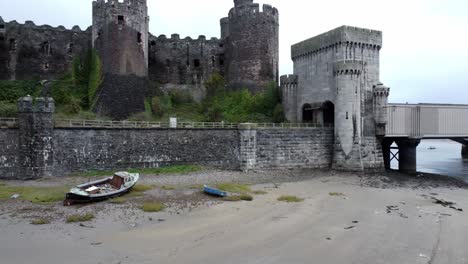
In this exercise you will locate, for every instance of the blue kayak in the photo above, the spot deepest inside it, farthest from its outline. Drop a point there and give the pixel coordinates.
(213, 191)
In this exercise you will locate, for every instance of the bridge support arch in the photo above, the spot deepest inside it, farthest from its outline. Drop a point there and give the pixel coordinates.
(465, 151)
(407, 155)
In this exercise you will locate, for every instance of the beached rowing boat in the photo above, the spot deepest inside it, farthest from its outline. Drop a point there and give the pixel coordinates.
(104, 189)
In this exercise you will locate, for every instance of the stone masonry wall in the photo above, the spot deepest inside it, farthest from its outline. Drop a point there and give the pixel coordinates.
(107, 149)
(294, 148)
(9, 159)
(185, 64)
(29, 52)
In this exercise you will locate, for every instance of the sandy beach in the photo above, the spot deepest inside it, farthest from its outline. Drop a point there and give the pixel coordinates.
(344, 218)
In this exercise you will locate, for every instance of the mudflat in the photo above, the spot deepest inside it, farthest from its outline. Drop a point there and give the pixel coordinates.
(343, 218)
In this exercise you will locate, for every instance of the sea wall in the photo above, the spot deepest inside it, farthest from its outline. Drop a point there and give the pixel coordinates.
(243, 148)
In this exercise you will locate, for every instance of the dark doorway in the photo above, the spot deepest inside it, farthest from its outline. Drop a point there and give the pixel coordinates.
(329, 113)
(307, 113)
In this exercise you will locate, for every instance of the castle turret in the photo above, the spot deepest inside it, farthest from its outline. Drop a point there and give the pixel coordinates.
(289, 96)
(36, 125)
(347, 77)
(120, 36)
(381, 108)
(251, 41)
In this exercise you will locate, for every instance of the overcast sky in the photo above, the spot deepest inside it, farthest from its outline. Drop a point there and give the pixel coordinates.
(424, 56)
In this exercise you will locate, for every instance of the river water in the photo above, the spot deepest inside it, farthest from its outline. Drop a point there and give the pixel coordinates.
(446, 159)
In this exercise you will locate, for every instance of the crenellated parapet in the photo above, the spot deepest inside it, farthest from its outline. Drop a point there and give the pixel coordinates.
(250, 9)
(342, 37)
(176, 38)
(37, 105)
(290, 79)
(28, 24)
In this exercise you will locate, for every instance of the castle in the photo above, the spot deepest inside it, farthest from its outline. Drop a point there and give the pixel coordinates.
(246, 55)
(336, 82)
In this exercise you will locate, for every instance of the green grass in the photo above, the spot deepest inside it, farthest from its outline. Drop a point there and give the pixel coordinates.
(40, 221)
(152, 207)
(168, 188)
(179, 169)
(139, 190)
(259, 192)
(234, 188)
(36, 195)
(237, 198)
(290, 199)
(336, 194)
(118, 200)
(78, 218)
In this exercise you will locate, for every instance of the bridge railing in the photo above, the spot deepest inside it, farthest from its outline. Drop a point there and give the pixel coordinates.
(74, 123)
(427, 121)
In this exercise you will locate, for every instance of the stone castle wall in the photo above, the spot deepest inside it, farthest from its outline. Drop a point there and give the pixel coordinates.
(9, 153)
(28, 51)
(185, 64)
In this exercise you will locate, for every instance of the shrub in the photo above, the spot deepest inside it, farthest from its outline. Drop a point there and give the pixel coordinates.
(8, 109)
(180, 97)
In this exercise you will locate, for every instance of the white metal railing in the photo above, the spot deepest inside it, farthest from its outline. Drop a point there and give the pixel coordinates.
(8, 122)
(73, 123)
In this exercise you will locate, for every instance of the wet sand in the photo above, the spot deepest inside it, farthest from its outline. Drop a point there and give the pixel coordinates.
(379, 219)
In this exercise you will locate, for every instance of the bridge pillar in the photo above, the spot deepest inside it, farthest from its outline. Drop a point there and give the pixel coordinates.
(465, 151)
(386, 149)
(407, 160)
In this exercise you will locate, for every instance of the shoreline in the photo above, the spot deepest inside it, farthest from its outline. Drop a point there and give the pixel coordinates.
(389, 208)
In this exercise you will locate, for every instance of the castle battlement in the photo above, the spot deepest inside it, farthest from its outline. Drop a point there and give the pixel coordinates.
(119, 4)
(176, 38)
(30, 24)
(253, 9)
(290, 79)
(348, 67)
(345, 35)
(381, 91)
(39, 105)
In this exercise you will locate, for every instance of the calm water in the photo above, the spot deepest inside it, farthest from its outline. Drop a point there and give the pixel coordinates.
(446, 159)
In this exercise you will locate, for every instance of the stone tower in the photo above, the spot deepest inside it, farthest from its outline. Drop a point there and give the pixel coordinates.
(36, 129)
(336, 82)
(251, 38)
(120, 36)
(347, 77)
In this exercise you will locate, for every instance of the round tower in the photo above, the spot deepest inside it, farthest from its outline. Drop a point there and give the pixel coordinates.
(251, 45)
(381, 94)
(347, 77)
(120, 36)
(288, 84)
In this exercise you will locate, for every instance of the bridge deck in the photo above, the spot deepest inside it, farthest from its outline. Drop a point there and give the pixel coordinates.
(430, 121)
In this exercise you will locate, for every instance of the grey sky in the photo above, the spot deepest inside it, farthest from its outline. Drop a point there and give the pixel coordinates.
(425, 53)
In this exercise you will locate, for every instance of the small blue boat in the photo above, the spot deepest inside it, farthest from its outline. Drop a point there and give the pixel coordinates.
(214, 192)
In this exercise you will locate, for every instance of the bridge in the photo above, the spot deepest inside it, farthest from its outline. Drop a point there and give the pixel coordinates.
(409, 123)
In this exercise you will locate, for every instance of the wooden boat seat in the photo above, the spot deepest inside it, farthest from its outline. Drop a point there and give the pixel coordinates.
(116, 182)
